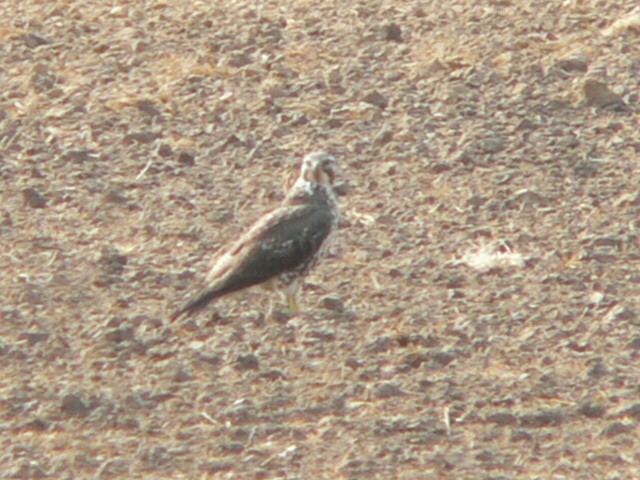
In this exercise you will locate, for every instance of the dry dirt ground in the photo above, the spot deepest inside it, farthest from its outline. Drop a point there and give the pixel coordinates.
(478, 316)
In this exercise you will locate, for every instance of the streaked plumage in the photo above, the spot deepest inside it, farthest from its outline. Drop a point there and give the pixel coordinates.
(281, 247)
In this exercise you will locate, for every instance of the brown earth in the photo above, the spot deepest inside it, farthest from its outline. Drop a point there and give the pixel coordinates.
(488, 265)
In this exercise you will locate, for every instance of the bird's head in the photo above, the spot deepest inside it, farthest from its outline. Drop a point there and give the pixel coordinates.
(320, 167)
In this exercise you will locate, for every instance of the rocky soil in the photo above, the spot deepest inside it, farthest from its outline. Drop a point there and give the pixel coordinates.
(478, 316)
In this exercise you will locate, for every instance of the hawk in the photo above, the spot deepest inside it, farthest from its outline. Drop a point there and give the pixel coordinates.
(282, 246)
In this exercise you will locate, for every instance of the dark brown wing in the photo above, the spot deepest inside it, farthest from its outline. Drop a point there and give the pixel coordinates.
(286, 241)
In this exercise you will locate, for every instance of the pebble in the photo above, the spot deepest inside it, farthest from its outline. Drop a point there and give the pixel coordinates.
(377, 99)
(598, 94)
(73, 406)
(247, 362)
(33, 198)
(332, 303)
(393, 32)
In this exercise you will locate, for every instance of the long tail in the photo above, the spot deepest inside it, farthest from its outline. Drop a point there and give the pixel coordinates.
(197, 303)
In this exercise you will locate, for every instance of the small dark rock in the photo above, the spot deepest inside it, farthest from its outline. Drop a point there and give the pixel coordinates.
(377, 99)
(542, 419)
(34, 337)
(393, 33)
(181, 375)
(342, 188)
(247, 362)
(116, 196)
(33, 198)
(36, 425)
(443, 358)
(332, 303)
(414, 359)
(615, 429)
(439, 167)
(240, 60)
(381, 344)
(273, 374)
(598, 94)
(119, 335)
(321, 336)
(33, 40)
(598, 371)
(186, 159)
(591, 410)
(216, 466)
(389, 220)
(165, 150)
(141, 137)
(79, 156)
(521, 436)
(485, 456)
(73, 406)
(112, 262)
(502, 418)
(577, 63)
(148, 107)
(387, 390)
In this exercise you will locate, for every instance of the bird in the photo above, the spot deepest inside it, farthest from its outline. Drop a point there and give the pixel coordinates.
(280, 248)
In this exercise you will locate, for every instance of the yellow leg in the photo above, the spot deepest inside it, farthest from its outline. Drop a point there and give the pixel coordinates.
(291, 294)
(292, 303)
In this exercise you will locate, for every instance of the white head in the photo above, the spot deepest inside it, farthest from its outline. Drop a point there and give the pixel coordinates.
(319, 167)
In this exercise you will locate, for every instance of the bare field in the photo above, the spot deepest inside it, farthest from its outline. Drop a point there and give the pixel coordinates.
(478, 317)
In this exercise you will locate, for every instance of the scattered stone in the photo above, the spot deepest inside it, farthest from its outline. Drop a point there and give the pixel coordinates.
(575, 63)
(542, 419)
(443, 358)
(321, 336)
(388, 220)
(116, 196)
(73, 406)
(382, 344)
(414, 359)
(492, 144)
(377, 99)
(187, 159)
(273, 374)
(34, 337)
(616, 428)
(240, 60)
(181, 375)
(334, 304)
(148, 107)
(521, 436)
(141, 137)
(247, 362)
(36, 425)
(393, 33)
(598, 94)
(112, 262)
(119, 335)
(33, 40)
(165, 150)
(33, 198)
(387, 390)
(79, 156)
(502, 419)
(216, 466)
